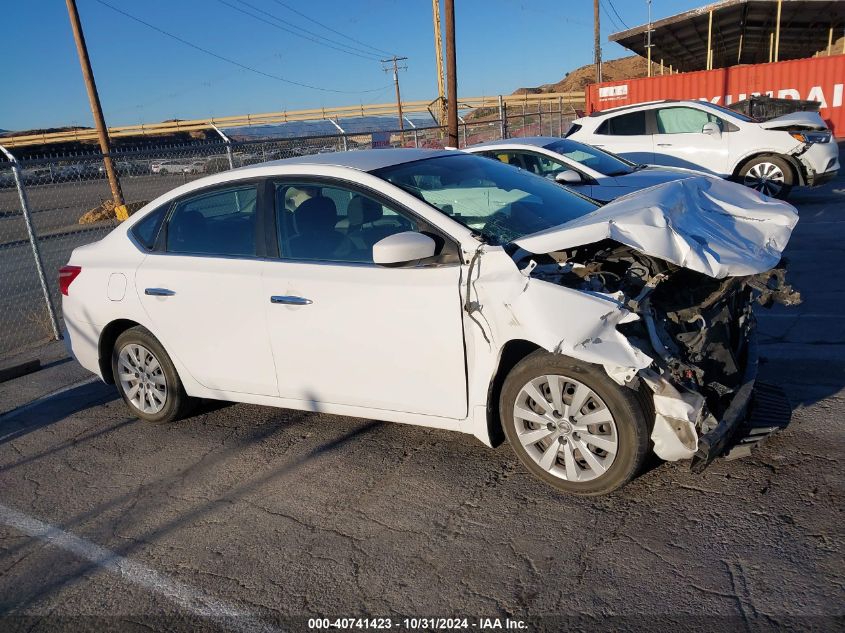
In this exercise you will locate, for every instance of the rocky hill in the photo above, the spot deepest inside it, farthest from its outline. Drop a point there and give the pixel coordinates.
(625, 68)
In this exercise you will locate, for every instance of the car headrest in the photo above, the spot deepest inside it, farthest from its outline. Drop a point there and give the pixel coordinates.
(316, 214)
(362, 210)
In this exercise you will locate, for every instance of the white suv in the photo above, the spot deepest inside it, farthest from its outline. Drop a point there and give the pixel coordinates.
(770, 156)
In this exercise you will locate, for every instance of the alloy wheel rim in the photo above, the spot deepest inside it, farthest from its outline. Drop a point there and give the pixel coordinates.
(766, 178)
(566, 428)
(142, 378)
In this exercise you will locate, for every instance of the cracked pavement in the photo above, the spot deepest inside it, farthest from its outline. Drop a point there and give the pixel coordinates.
(286, 513)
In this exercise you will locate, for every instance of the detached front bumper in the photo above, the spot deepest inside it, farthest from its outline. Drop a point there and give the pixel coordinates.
(820, 162)
(814, 180)
(756, 412)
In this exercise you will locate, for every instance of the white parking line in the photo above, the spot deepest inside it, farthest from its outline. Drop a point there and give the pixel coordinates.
(188, 598)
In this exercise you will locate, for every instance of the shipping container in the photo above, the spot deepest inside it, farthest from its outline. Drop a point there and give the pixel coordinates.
(816, 79)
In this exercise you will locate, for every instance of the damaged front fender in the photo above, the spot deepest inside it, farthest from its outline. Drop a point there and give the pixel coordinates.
(581, 325)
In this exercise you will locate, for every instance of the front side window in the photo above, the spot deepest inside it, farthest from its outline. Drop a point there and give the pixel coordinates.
(679, 120)
(220, 222)
(495, 201)
(592, 157)
(539, 164)
(631, 124)
(332, 223)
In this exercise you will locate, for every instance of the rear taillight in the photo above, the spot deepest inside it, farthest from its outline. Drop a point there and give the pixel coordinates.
(66, 276)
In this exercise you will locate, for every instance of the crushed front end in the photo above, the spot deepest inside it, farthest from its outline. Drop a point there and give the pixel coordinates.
(699, 330)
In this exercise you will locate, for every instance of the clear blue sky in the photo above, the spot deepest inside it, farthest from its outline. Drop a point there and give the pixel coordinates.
(145, 76)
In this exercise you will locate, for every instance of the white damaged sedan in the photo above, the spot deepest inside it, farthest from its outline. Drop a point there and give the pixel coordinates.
(447, 290)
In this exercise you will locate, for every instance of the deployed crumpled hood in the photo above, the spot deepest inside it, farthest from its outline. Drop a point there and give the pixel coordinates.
(709, 225)
(800, 119)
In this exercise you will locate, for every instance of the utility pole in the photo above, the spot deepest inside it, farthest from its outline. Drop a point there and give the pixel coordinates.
(648, 38)
(438, 49)
(395, 59)
(451, 74)
(96, 110)
(597, 40)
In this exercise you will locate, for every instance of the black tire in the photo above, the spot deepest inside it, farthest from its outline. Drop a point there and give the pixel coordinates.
(623, 403)
(750, 172)
(177, 404)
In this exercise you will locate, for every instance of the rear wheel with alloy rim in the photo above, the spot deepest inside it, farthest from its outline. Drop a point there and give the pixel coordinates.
(141, 378)
(770, 175)
(572, 426)
(147, 379)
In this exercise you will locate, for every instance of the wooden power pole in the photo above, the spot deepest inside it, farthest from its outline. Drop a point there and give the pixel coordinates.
(451, 74)
(96, 109)
(597, 40)
(394, 61)
(438, 49)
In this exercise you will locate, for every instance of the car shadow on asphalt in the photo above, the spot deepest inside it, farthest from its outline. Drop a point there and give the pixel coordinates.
(238, 493)
(51, 409)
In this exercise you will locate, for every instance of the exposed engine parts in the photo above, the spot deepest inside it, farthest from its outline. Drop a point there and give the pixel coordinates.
(694, 326)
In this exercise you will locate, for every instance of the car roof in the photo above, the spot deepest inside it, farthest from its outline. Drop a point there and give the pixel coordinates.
(363, 160)
(645, 104)
(537, 141)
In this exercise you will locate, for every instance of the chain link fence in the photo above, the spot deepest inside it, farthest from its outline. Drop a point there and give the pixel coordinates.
(66, 199)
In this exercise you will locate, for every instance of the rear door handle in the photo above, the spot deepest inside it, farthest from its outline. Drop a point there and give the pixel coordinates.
(159, 292)
(664, 145)
(290, 300)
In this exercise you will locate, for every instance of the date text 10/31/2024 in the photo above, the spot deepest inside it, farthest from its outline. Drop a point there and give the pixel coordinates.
(478, 624)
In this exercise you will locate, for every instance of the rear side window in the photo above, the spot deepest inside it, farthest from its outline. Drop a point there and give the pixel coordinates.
(221, 222)
(146, 230)
(631, 124)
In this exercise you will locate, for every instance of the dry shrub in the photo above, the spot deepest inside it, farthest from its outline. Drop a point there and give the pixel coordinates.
(106, 211)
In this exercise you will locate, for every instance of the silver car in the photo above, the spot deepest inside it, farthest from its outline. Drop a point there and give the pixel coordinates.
(594, 172)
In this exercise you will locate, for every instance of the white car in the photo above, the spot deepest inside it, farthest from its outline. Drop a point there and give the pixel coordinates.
(588, 170)
(770, 156)
(438, 288)
(177, 167)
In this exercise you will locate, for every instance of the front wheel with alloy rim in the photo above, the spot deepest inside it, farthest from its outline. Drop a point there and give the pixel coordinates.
(770, 175)
(571, 425)
(146, 378)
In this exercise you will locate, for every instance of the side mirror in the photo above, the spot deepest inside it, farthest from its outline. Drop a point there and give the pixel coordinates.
(711, 128)
(568, 177)
(402, 248)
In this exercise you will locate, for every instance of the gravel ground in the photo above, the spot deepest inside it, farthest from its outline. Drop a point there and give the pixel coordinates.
(247, 518)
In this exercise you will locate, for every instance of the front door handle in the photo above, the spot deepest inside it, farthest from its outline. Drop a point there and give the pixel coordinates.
(664, 145)
(159, 292)
(290, 300)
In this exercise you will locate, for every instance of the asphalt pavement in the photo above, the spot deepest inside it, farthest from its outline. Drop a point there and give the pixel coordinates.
(250, 518)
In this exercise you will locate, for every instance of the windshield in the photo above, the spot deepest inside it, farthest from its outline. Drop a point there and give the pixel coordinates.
(603, 162)
(728, 111)
(496, 201)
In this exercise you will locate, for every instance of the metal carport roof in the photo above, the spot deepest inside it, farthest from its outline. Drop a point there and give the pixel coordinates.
(741, 33)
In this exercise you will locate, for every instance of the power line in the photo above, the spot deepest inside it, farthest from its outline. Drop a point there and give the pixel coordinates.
(207, 83)
(609, 15)
(232, 61)
(318, 39)
(610, 2)
(328, 28)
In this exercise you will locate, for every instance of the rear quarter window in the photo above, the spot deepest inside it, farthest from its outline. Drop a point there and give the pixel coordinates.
(630, 124)
(146, 230)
